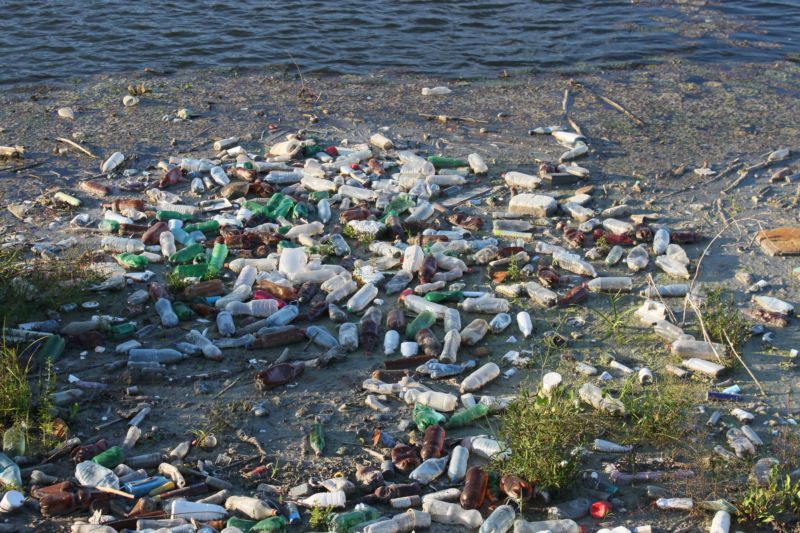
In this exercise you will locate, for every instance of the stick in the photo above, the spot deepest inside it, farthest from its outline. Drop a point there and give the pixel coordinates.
(612, 103)
(655, 288)
(758, 384)
(244, 437)
(109, 490)
(76, 146)
(703, 328)
(223, 391)
(445, 118)
(742, 176)
(12, 168)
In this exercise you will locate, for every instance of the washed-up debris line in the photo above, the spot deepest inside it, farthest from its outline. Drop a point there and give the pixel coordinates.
(251, 250)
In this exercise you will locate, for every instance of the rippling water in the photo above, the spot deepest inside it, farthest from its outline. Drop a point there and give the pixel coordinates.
(63, 38)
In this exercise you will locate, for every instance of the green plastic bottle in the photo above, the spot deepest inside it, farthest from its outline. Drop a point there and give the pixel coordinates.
(240, 523)
(187, 254)
(217, 261)
(210, 226)
(108, 226)
(131, 261)
(309, 151)
(424, 320)
(287, 244)
(347, 522)
(467, 416)
(399, 204)
(273, 524)
(316, 196)
(110, 458)
(191, 271)
(447, 162)
(245, 164)
(52, 348)
(425, 416)
(14, 441)
(300, 211)
(173, 215)
(317, 439)
(283, 208)
(182, 311)
(122, 331)
(444, 296)
(257, 207)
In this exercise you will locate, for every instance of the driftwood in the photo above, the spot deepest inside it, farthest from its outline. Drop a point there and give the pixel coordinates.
(76, 146)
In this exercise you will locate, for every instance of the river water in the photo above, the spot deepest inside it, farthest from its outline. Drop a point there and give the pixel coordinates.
(60, 39)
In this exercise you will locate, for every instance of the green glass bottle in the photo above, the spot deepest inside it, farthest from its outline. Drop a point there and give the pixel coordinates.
(172, 215)
(14, 441)
(206, 226)
(317, 439)
(347, 522)
(51, 349)
(187, 254)
(240, 523)
(424, 320)
(447, 162)
(273, 524)
(467, 416)
(425, 416)
(182, 311)
(122, 331)
(217, 261)
(191, 271)
(110, 458)
(131, 261)
(444, 296)
(108, 226)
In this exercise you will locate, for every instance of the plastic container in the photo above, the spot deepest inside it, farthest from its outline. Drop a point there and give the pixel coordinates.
(90, 474)
(672, 267)
(480, 377)
(348, 336)
(361, 299)
(553, 526)
(336, 499)
(637, 259)
(452, 514)
(203, 512)
(450, 347)
(439, 401)
(429, 470)
(485, 304)
(525, 323)
(452, 320)
(474, 332)
(660, 241)
(615, 284)
(500, 322)
(9, 472)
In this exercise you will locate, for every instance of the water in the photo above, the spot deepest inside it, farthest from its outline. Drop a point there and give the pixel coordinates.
(59, 39)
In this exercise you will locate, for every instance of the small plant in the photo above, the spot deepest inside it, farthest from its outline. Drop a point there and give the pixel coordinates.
(616, 318)
(766, 504)
(601, 244)
(15, 392)
(320, 517)
(721, 317)
(47, 385)
(544, 435)
(514, 272)
(175, 283)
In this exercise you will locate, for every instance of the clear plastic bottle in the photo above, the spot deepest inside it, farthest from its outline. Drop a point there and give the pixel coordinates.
(203, 512)
(614, 255)
(399, 281)
(458, 464)
(773, 305)
(553, 526)
(668, 331)
(541, 295)
(485, 304)
(500, 322)
(617, 227)
(488, 448)
(525, 323)
(122, 245)
(225, 324)
(614, 284)
(257, 308)
(452, 320)
(660, 241)
(573, 263)
(439, 401)
(168, 317)
(283, 317)
(208, 348)
(417, 304)
(700, 349)
(500, 521)
(151, 355)
(452, 513)
(672, 267)
(429, 470)
(474, 332)
(683, 504)
(413, 258)
(522, 181)
(336, 499)
(450, 346)
(391, 341)
(91, 474)
(637, 259)
(480, 377)
(361, 299)
(348, 336)
(9, 472)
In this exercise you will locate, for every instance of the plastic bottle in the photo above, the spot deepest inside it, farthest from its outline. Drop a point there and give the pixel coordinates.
(425, 319)
(402, 523)
(500, 521)
(429, 470)
(417, 304)
(399, 282)
(618, 227)
(90, 474)
(553, 526)
(439, 401)
(500, 322)
(110, 457)
(391, 341)
(474, 332)
(700, 349)
(672, 267)
(452, 513)
(458, 464)
(283, 317)
(467, 416)
(485, 304)
(426, 417)
(615, 284)
(208, 348)
(348, 336)
(336, 499)
(168, 317)
(573, 263)
(475, 484)
(361, 299)
(452, 320)
(202, 512)
(432, 442)
(480, 377)
(721, 522)
(637, 258)
(9, 472)
(525, 323)
(413, 258)
(450, 347)
(773, 305)
(250, 507)
(660, 241)
(347, 522)
(14, 442)
(683, 504)
(122, 244)
(225, 324)
(161, 355)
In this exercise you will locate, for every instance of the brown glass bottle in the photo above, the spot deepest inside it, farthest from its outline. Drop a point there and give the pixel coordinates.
(428, 269)
(405, 458)
(278, 291)
(432, 443)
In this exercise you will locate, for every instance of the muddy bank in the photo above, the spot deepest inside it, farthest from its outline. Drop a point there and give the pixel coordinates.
(692, 118)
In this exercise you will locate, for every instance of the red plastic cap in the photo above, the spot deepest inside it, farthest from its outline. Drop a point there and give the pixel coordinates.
(600, 509)
(332, 151)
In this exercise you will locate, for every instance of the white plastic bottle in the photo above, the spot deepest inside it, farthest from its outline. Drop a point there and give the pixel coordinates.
(362, 298)
(164, 309)
(477, 164)
(525, 323)
(500, 521)
(439, 401)
(413, 258)
(122, 245)
(335, 499)
(251, 507)
(480, 377)
(391, 341)
(225, 324)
